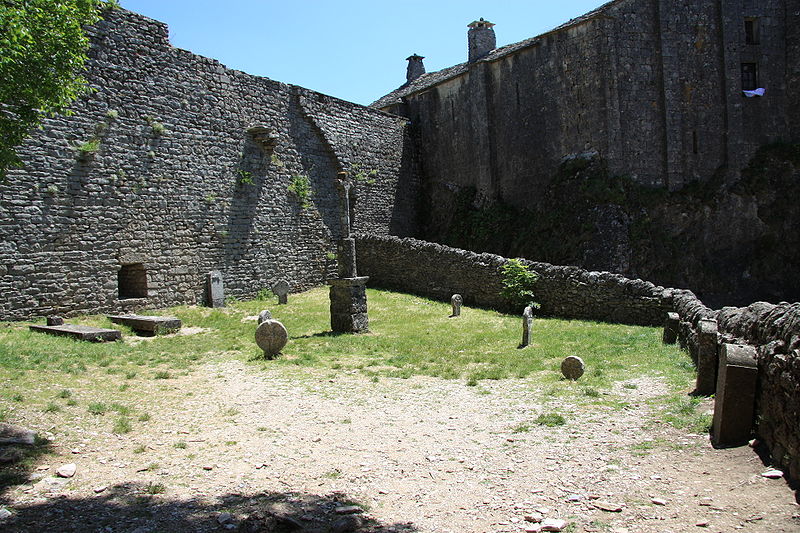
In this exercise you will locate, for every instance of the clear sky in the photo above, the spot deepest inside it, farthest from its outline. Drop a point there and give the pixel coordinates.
(351, 49)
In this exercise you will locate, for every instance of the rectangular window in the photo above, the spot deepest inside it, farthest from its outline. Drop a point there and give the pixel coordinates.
(749, 76)
(751, 30)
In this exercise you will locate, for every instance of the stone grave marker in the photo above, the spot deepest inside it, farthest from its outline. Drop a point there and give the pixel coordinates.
(55, 320)
(263, 316)
(707, 360)
(281, 289)
(271, 337)
(735, 398)
(83, 333)
(147, 325)
(671, 328)
(527, 325)
(572, 367)
(456, 302)
(215, 292)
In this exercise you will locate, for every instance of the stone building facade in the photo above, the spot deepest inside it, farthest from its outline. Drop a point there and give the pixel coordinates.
(191, 173)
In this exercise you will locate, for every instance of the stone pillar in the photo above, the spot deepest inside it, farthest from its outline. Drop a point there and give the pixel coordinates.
(706, 357)
(456, 300)
(346, 257)
(349, 305)
(734, 403)
(671, 326)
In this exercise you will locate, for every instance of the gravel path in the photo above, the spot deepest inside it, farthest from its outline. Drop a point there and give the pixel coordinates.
(277, 449)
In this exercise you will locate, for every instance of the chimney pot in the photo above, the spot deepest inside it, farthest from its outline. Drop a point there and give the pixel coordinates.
(415, 67)
(481, 39)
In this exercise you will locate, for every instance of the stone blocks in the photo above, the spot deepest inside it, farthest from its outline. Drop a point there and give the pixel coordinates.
(349, 305)
(734, 404)
(706, 357)
(148, 325)
(83, 333)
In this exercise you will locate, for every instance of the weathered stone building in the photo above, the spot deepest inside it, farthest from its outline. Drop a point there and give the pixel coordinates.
(654, 89)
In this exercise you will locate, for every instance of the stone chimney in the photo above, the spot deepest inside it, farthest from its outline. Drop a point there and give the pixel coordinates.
(481, 39)
(415, 67)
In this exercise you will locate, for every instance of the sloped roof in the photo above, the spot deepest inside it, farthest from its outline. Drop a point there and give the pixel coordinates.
(431, 79)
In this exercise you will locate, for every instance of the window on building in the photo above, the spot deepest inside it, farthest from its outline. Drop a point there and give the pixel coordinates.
(749, 76)
(132, 281)
(751, 30)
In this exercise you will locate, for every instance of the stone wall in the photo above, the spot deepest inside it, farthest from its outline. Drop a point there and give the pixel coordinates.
(438, 271)
(179, 186)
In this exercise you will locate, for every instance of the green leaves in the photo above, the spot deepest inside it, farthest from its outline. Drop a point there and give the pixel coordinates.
(518, 283)
(42, 54)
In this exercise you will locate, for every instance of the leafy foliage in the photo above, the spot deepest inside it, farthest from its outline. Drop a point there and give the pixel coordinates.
(42, 54)
(518, 283)
(301, 187)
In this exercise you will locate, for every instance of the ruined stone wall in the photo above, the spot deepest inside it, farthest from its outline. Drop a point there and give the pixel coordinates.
(438, 271)
(201, 195)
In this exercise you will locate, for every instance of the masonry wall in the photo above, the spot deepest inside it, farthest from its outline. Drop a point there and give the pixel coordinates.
(202, 195)
(437, 271)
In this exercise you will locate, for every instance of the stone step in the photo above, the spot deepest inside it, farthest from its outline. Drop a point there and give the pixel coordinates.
(147, 325)
(83, 333)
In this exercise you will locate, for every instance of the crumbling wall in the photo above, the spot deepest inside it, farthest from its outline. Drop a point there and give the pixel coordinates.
(178, 185)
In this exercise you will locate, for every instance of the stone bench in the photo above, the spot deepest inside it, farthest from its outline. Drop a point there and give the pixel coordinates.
(83, 333)
(147, 325)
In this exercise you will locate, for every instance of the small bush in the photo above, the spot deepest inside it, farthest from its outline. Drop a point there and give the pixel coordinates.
(264, 294)
(245, 177)
(66, 393)
(112, 114)
(158, 128)
(97, 408)
(155, 488)
(162, 374)
(518, 284)
(52, 408)
(88, 148)
(300, 186)
(122, 425)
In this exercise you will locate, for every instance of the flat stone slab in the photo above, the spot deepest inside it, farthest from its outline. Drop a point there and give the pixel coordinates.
(82, 333)
(152, 325)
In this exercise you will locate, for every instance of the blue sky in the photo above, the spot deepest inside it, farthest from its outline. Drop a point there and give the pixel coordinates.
(351, 49)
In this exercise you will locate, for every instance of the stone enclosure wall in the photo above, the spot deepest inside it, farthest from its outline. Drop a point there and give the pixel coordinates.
(178, 186)
(439, 271)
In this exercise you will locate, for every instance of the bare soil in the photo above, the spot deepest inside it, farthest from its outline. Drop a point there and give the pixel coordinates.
(288, 450)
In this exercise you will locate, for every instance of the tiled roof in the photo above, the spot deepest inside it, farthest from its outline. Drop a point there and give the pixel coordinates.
(431, 79)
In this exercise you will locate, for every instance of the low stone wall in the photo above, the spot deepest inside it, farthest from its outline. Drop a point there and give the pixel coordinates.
(438, 271)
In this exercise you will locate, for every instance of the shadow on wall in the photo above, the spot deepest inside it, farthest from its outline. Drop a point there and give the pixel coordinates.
(406, 207)
(130, 507)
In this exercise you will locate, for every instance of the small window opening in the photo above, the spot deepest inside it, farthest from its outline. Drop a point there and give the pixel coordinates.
(751, 35)
(694, 142)
(132, 281)
(749, 76)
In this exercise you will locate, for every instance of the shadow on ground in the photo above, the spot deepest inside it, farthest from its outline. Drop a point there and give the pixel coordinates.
(131, 508)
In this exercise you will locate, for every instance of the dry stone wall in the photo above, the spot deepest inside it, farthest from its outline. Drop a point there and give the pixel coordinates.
(439, 272)
(178, 186)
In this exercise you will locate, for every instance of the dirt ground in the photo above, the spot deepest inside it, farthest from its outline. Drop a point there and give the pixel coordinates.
(233, 447)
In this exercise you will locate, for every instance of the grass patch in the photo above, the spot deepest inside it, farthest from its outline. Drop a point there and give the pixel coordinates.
(155, 488)
(97, 408)
(122, 425)
(550, 420)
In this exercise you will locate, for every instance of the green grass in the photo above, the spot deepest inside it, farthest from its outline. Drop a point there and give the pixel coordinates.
(550, 420)
(410, 336)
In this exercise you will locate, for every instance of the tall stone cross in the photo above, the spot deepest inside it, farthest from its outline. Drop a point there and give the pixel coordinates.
(344, 183)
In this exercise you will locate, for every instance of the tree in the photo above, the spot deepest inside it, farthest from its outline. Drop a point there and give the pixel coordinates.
(42, 54)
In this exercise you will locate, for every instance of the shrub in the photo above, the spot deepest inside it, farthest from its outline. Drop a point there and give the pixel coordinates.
(518, 284)
(300, 186)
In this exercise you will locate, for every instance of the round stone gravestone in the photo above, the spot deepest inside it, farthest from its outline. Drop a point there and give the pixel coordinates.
(271, 336)
(572, 367)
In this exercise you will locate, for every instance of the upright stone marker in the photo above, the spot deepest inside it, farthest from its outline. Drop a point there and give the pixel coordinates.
(215, 292)
(706, 357)
(281, 289)
(263, 316)
(671, 326)
(572, 367)
(456, 302)
(348, 293)
(735, 399)
(271, 336)
(527, 325)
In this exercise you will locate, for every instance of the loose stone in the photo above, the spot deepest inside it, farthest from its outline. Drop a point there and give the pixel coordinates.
(67, 470)
(553, 524)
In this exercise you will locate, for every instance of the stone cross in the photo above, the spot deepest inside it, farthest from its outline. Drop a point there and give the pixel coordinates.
(527, 325)
(281, 289)
(456, 301)
(344, 184)
(271, 337)
(572, 367)
(215, 293)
